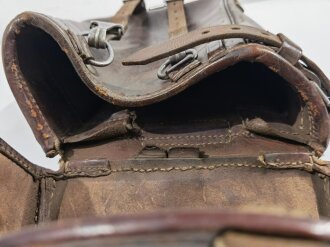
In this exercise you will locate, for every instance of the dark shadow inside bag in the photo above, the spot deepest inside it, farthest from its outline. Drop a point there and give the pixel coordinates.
(69, 105)
(244, 91)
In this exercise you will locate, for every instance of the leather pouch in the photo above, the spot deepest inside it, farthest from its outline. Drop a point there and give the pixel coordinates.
(222, 115)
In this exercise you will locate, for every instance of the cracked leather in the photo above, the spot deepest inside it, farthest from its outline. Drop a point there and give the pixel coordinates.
(241, 127)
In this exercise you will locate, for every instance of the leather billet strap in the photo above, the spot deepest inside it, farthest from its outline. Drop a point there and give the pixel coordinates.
(123, 14)
(198, 37)
(177, 23)
(286, 48)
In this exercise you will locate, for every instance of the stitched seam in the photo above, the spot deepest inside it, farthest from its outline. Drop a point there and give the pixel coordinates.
(186, 168)
(289, 163)
(182, 137)
(22, 85)
(192, 144)
(84, 173)
(229, 139)
(173, 168)
(38, 112)
(289, 133)
(36, 213)
(312, 130)
(17, 159)
(88, 169)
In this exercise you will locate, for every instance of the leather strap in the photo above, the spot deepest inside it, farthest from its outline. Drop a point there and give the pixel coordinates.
(177, 23)
(123, 14)
(200, 36)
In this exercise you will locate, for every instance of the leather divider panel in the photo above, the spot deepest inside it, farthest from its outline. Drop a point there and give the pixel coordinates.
(19, 196)
(234, 186)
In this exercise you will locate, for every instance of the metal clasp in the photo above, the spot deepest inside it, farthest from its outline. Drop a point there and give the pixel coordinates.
(98, 37)
(175, 61)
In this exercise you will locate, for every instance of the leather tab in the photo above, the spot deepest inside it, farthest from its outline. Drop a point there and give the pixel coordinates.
(288, 160)
(289, 50)
(119, 124)
(177, 23)
(259, 126)
(304, 161)
(87, 168)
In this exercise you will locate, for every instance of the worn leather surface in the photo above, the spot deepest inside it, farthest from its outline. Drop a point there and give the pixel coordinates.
(240, 127)
(218, 229)
(74, 113)
(248, 189)
(19, 196)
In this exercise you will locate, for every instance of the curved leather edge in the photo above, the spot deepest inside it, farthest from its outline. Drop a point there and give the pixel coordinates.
(32, 169)
(251, 52)
(215, 222)
(19, 86)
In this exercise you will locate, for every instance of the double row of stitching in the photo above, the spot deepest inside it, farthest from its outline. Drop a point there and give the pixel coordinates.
(228, 138)
(183, 137)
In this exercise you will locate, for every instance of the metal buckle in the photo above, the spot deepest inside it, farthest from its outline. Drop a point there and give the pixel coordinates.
(97, 37)
(175, 61)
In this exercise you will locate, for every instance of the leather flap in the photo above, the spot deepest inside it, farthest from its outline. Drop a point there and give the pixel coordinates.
(68, 101)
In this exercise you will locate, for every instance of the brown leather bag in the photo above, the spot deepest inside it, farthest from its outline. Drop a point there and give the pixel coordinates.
(184, 107)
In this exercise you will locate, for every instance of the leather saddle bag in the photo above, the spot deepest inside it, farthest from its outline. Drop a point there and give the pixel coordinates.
(189, 106)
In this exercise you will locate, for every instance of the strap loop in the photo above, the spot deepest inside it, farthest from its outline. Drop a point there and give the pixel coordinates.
(175, 61)
(98, 38)
(289, 50)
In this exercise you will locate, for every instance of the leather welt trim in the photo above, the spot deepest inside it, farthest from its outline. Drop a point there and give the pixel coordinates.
(300, 161)
(21, 88)
(97, 168)
(85, 168)
(19, 160)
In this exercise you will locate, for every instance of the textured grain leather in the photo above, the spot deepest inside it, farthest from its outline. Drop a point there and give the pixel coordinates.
(240, 125)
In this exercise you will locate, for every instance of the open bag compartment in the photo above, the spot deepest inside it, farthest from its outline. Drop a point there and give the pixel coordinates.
(212, 112)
